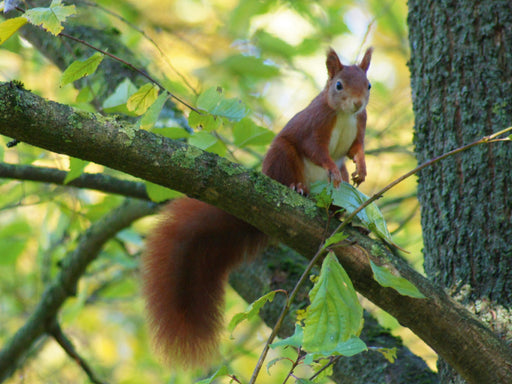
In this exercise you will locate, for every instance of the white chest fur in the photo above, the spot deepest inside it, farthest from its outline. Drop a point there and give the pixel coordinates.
(342, 136)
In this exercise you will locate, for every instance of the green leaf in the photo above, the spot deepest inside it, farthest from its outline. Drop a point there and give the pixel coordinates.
(387, 279)
(249, 66)
(252, 310)
(349, 198)
(246, 133)
(335, 315)
(85, 95)
(222, 371)
(172, 132)
(213, 101)
(76, 168)
(271, 44)
(13, 239)
(141, 100)
(158, 194)
(208, 142)
(323, 199)
(81, 68)
(294, 340)
(388, 353)
(206, 121)
(51, 18)
(9, 27)
(151, 116)
(334, 239)
(116, 102)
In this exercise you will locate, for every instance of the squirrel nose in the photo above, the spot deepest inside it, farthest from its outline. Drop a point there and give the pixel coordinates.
(358, 104)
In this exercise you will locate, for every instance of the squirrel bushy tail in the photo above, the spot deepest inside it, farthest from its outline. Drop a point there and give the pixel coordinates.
(184, 272)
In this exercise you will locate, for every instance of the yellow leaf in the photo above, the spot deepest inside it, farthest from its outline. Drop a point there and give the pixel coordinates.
(9, 27)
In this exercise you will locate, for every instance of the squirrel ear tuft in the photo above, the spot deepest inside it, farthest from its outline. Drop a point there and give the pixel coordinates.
(333, 63)
(365, 63)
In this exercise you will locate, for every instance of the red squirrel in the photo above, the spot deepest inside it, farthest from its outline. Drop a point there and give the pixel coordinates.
(191, 251)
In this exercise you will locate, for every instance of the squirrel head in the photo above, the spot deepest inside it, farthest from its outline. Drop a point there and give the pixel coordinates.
(347, 88)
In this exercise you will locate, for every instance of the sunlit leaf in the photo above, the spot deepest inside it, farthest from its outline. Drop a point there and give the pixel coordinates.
(10, 26)
(158, 193)
(141, 100)
(335, 317)
(76, 168)
(151, 116)
(387, 279)
(116, 102)
(50, 18)
(81, 68)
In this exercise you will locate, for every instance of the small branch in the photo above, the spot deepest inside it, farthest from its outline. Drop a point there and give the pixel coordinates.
(56, 332)
(98, 181)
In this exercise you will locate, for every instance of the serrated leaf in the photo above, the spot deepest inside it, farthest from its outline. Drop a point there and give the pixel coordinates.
(246, 133)
(334, 239)
(141, 100)
(323, 199)
(116, 102)
(76, 168)
(50, 18)
(151, 116)
(387, 279)
(81, 68)
(252, 310)
(294, 340)
(212, 100)
(9, 27)
(159, 194)
(349, 198)
(222, 371)
(335, 315)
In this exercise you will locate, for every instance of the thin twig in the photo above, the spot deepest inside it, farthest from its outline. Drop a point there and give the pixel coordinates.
(56, 332)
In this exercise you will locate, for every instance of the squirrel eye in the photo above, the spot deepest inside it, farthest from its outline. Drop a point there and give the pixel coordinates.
(339, 86)
(369, 86)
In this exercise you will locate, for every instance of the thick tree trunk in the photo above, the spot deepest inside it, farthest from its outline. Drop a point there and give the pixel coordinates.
(461, 71)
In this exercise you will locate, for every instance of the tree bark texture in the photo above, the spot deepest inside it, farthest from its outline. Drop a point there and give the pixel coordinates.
(461, 75)
(443, 324)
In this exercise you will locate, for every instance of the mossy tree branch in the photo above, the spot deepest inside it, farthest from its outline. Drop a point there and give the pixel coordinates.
(453, 332)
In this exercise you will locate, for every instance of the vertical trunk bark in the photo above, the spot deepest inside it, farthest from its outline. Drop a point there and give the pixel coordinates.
(461, 78)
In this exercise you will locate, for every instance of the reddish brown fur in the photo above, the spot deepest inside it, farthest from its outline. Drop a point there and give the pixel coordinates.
(184, 270)
(192, 250)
